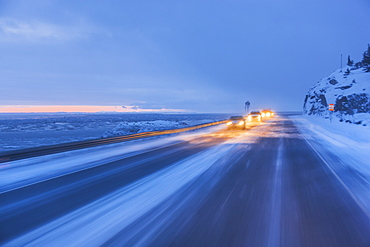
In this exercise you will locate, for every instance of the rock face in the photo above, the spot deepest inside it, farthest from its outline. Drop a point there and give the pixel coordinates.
(348, 88)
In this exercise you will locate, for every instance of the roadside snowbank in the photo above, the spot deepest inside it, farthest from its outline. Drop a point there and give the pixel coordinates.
(128, 128)
(350, 136)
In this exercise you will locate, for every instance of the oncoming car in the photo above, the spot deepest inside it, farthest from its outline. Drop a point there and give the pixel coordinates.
(236, 122)
(267, 113)
(254, 116)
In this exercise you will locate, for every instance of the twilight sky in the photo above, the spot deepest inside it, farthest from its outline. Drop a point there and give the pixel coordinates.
(194, 55)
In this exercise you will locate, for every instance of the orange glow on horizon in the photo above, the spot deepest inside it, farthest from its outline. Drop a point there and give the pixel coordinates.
(77, 108)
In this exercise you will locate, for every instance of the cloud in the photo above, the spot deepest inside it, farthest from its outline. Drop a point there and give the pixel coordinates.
(17, 30)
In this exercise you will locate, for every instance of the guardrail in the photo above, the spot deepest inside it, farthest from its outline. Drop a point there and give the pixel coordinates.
(58, 148)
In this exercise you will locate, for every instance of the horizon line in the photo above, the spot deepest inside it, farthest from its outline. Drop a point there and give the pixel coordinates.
(79, 109)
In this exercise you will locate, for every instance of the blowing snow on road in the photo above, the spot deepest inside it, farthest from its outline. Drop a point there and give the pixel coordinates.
(287, 181)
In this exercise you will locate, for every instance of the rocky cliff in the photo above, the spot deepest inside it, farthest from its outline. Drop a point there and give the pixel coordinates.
(348, 88)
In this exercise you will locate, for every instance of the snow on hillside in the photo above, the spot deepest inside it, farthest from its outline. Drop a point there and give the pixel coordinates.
(350, 94)
(348, 89)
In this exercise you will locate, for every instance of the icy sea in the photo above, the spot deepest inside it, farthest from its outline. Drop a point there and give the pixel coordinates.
(18, 131)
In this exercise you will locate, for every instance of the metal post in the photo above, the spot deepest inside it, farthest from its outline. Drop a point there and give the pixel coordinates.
(331, 110)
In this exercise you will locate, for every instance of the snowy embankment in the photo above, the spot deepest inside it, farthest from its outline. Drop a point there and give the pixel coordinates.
(346, 150)
(128, 128)
(347, 89)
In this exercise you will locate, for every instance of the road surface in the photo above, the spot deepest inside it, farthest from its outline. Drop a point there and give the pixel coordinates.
(263, 186)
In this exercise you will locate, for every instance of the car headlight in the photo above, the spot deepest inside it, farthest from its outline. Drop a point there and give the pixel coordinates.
(241, 122)
(229, 123)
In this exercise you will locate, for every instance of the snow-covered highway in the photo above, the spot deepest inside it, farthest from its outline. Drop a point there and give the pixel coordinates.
(274, 184)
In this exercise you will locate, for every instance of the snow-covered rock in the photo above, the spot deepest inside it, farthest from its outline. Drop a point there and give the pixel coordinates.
(348, 89)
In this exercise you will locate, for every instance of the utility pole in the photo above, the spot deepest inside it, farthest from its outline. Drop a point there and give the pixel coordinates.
(341, 56)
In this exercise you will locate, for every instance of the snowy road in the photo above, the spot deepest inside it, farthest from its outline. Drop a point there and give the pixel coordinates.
(265, 186)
